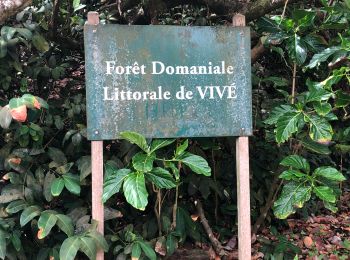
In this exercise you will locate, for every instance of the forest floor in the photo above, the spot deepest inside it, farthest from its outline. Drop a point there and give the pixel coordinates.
(324, 236)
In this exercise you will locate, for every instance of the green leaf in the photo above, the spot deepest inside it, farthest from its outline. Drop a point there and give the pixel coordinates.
(69, 248)
(161, 178)
(197, 164)
(45, 223)
(72, 183)
(88, 246)
(57, 186)
(170, 244)
(100, 241)
(49, 179)
(322, 109)
(135, 190)
(315, 147)
(181, 148)
(329, 173)
(57, 155)
(320, 129)
(316, 92)
(296, 162)
(114, 180)
(331, 206)
(147, 249)
(322, 56)
(341, 99)
(25, 33)
(84, 166)
(293, 195)
(292, 175)
(143, 162)
(40, 43)
(136, 138)
(2, 244)
(288, 124)
(16, 206)
(65, 223)
(28, 214)
(325, 193)
(136, 251)
(160, 143)
(277, 112)
(296, 49)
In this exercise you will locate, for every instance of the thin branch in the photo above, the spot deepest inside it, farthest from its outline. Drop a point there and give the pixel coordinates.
(216, 243)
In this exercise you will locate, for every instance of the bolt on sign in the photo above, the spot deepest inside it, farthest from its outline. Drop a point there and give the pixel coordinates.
(167, 81)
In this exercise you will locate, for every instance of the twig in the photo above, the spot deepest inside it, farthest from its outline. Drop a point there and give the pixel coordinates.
(294, 81)
(216, 243)
(284, 9)
(269, 201)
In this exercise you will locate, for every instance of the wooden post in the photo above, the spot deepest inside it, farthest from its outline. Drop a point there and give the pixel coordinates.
(243, 191)
(97, 169)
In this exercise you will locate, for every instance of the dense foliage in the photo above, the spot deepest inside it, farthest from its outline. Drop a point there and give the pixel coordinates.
(299, 151)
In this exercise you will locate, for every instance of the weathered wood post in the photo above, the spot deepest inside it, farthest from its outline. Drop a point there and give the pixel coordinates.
(243, 191)
(97, 169)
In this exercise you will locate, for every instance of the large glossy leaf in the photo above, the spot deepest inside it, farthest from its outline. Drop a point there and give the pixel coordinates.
(72, 183)
(143, 162)
(268, 25)
(342, 99)
(161, 178)
(325, 193)
(329, 173)
(315, 147)
(320, 129)
(100, 241)
(181, 148)
(197, 164)
(69, 248)
(45, 223)
(277, 112)
(296, 162)
(40, 43)
(322, 109)
(136, 251)
(65, 223)
(57, 186)
(322, 56)
(292, 175)
(288, 124)
(28, 214)
(293, 195)
(160, 143)
(296, 49)
(2, 244)
(113, 181)
(57, 155)
(148, 250)
(88, 246)
(16, 206)
(136, 138)
(49, 179)
(135, 190)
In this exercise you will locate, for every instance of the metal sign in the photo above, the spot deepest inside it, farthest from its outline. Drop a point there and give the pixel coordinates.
(167, 81)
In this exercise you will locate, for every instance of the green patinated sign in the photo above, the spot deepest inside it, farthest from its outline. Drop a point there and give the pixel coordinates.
(167, 81)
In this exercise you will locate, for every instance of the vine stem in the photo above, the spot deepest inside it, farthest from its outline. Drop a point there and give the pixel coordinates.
(294, 82)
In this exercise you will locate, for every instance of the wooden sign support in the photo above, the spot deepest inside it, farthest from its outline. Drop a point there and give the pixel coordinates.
(243, 190)
(242, 162)
(97, 169)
